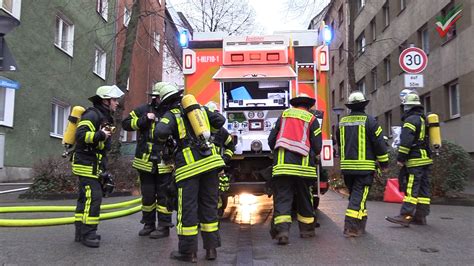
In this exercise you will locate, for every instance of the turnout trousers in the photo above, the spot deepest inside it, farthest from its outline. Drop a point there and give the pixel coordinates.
(153, 189)
(356, 212)
(88, 205)
(417, 193)
(287, 188)
(197, 208)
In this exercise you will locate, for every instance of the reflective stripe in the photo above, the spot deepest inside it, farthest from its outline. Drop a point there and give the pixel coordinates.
(188, 230)
(410, 126)
(209, 227)
(419, 162)
(229, 152)
(89, 138)
(228, 140)
(382, 158)
(83, 170)
(422, 130)
(281, 156)
(164, 120)
(342, 137)
(298, 113)
(134, 122)
(353, 118)
(179, 215)
(86, 219)
(305, 161)
(404, 150)
(422, 200)
(363, 201)
(141, 164)
(409, 198)
(88, 124)
(357, 165)
(198, 167)
(352, 213)
(188, 156)
(305, 220)
(162, 209)
(362, 147)
(165, 168)
(379, 131)
(282, 219)
(101, 145)
(78, 217)
(317, 131)
(148, 208)
(294, 169)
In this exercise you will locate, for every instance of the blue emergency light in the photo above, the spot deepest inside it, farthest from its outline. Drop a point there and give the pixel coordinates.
(327, 34)
(183, 38)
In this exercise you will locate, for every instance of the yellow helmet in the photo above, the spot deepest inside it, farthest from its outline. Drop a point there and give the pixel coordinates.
(411, 99)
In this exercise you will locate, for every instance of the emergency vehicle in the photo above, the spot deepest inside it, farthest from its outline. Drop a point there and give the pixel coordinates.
(252, 78)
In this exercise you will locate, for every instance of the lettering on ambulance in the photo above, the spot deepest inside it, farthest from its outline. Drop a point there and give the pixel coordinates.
(200, 83)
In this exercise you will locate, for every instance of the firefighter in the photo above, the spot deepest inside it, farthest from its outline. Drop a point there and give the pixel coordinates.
(296, 142)
(225, 147)
(361, 144)
(89, 161)
(155, 175)
(197, 164)
(414, 156)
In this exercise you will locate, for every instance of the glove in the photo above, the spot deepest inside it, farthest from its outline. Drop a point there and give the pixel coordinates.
(224, 182)
(226, 159)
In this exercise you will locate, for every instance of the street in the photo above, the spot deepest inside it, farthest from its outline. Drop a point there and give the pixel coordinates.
(448, 239)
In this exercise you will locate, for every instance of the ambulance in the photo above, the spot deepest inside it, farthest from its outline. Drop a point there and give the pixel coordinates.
(252, 78)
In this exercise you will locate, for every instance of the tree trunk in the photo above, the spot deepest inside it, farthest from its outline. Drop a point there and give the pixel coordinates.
(124, 72)
(350, 45)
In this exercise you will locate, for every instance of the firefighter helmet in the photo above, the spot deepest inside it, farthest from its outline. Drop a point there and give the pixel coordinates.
(411, 99)
(302, 99)
(357, 100)
(155, 90)
(166, 90)
(106, 92)
(212, 106)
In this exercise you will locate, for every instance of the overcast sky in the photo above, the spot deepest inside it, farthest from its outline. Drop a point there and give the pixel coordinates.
(276, 15)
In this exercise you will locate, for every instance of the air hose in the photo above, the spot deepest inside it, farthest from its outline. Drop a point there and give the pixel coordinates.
(64, 208)
(63, 220)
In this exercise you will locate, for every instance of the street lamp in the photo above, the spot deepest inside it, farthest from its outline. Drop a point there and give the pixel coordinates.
(338, 111)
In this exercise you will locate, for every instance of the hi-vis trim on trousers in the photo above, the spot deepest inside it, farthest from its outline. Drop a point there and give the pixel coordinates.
(86, 219)
(282, 219)
(359, 214)
(201, 166)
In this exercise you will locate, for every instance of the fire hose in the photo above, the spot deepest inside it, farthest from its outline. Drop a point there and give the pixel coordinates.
(64, 220)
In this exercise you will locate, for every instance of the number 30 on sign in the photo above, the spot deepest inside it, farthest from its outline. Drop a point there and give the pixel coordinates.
(413, 60)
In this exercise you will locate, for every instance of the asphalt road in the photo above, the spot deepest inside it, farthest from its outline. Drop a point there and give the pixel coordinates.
(448, 239)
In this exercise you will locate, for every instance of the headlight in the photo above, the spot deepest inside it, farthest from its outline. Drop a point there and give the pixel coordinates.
(260, 114)
(256, 146)
(251, 115)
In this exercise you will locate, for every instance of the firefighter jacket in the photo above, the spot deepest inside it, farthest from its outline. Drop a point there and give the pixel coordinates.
(286, 162)
(190, 160)
(360, 141)
(147, 155)
(224, 143)
(414, 147)
(88, 158)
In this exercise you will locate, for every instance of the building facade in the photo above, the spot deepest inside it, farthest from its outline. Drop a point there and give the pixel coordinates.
(64, 51)
(382, 30)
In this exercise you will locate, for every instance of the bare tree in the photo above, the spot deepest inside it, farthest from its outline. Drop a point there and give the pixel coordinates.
(231, 16)
(350, 44)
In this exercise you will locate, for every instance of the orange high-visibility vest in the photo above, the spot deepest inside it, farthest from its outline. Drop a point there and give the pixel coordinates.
(294, 131)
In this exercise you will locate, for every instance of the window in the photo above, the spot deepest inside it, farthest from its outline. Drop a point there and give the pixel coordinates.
(341, 53)
(126, 16)
(332, 65)
(99, 63)
(64, 34)
(374, 79)
(102, 8)
(7, 106)
(386, 63)
(360, 4)
(341, 91)
(424, 39)
(361, 85)
(340, 14)
(454, 103)
(388, 123)
(426, 101)
(12, 7)
(333, 98)
(360, 44)
(386, 14)
(156, 41)
(403, 4)
(59, 115)
(373, 28)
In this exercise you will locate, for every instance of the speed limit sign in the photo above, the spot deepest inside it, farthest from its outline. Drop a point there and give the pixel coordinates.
(413, 60)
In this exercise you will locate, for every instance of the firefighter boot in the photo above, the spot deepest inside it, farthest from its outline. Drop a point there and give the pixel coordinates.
(419, 219)
(160, 232)
(306, 230)
(404, 220)
(91, 240)
(188, 257)
(351, 226)
(211, 254)
(77, 235)
(147, 229)
(282, 238)
(362, 225)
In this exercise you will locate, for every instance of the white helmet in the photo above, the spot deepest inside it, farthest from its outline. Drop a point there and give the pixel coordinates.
(107, 92)
(212, 106)
(356, 99)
